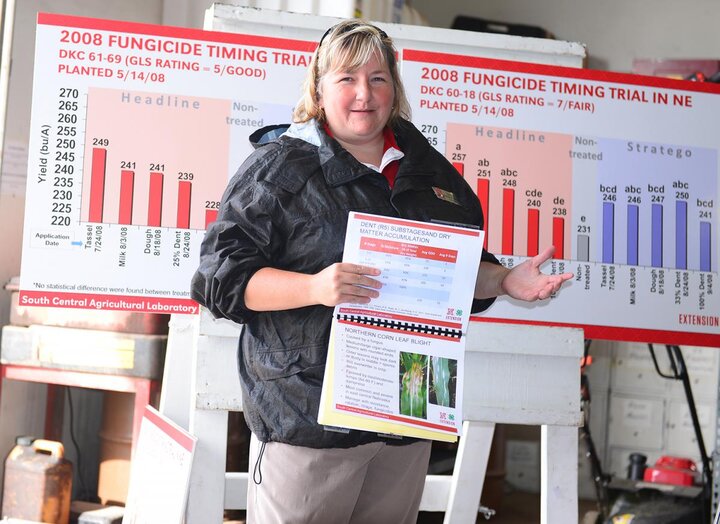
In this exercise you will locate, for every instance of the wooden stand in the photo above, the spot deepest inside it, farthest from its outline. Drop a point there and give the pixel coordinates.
(514, 374)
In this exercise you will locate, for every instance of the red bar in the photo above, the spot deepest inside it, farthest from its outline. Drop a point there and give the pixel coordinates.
(155, 200)
(533, 233)
(127, 186)
(559, 237)
(483, 193)
(210, 216)
(460, 167)
(508, 227)
(183, 209)
(97, 184)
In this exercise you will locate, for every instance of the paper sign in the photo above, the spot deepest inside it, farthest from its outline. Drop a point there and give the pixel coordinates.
(160, 472)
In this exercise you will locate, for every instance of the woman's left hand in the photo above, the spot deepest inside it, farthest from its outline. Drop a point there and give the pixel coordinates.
(526, 282)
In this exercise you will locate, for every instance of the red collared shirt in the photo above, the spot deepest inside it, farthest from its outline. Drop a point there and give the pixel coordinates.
(389, 163)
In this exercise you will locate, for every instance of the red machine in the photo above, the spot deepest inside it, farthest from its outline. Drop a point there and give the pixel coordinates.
(672, 470)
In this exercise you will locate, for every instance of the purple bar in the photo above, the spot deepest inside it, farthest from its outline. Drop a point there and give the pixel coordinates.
(656, 244)
(632, 234)
(705, 246)
(608, 245)
(681, 234)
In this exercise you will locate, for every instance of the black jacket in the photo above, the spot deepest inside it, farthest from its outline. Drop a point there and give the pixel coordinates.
(287, 208)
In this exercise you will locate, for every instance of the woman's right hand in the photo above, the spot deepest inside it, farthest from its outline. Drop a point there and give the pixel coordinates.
(345, 282)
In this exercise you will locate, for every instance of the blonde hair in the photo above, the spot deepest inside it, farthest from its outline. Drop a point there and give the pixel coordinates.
(348, 46)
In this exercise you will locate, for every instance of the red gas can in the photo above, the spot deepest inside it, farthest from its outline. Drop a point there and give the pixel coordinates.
(672, 470)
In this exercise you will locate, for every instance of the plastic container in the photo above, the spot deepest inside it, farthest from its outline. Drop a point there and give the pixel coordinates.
(38, 482)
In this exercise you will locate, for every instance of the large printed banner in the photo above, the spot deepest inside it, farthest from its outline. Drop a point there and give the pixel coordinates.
(137, 128)
(618, 172)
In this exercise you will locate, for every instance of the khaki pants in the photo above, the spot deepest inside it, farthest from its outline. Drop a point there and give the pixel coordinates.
(369, 484)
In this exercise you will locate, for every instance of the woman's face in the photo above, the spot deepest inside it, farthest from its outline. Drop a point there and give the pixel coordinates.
(358, 103)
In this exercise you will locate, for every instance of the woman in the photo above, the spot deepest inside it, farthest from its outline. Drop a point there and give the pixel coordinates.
(272, 262)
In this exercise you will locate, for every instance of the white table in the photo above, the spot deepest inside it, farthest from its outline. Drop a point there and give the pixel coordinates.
(515, 374)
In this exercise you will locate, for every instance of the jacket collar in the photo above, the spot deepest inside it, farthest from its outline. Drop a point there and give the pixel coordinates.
(418, 151)
(340, 167)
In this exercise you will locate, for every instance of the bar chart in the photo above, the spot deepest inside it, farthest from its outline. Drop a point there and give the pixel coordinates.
(652, 209)
(153, 160)
(130, 151)
(134, 149)
(523, 180)
(656, 209)
(630, 204)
